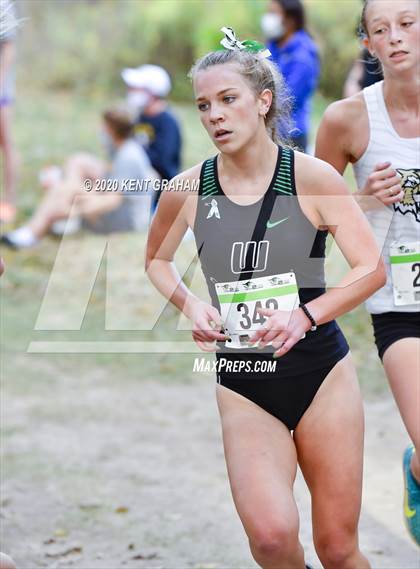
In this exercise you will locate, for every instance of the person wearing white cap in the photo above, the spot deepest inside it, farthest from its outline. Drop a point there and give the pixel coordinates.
(157, 129)
(147, 78)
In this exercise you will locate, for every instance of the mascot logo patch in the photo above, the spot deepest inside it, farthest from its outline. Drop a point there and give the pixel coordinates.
(410, 183)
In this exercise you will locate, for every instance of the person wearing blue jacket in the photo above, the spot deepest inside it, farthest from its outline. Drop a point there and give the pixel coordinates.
(296, 56)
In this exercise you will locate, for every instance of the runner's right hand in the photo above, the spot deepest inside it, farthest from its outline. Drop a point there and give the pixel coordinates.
(384, 184)
(207, 327)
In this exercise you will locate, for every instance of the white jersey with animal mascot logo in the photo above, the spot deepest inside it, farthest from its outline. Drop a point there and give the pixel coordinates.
(396, 227)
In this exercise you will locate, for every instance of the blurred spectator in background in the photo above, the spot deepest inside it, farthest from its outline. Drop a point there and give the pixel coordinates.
(296, 55)
(8, 24)
(365, 71)
(157, 129)
(90, 189)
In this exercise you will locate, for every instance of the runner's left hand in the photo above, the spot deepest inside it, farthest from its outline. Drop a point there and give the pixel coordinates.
(283, 329)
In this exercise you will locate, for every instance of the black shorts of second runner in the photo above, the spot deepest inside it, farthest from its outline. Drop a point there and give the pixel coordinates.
(392, 326)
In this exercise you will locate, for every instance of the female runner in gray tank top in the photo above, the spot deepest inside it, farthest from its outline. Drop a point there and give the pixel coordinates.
(236, 92)
(378, 131)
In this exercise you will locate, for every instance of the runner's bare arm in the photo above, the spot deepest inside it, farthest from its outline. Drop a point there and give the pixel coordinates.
(176, 212)
(335, 132)
(171, 221)
(342, 137)
(328, 204)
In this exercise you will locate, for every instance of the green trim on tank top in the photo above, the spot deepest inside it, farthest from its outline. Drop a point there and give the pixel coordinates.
(282, 184)
(208, 185)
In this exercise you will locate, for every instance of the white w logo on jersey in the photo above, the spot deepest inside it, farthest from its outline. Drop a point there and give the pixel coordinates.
(259, 256)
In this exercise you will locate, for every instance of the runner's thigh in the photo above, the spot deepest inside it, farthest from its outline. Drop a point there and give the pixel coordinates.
(402, 365)
(329, 442)
(261, 462)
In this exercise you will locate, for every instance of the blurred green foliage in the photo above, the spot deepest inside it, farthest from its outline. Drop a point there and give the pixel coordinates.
(334, 23)
(82, 45)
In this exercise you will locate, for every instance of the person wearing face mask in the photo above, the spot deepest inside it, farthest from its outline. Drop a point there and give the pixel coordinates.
(157, 129)
(92, 190)
(296, 56)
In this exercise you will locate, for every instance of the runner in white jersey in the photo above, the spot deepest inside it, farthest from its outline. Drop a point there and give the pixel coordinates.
(378, 131)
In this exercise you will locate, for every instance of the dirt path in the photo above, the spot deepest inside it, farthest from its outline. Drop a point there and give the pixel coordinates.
(105, 473)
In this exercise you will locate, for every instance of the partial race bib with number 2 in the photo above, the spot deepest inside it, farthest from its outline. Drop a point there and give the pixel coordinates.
(240, 301)
(405, 270)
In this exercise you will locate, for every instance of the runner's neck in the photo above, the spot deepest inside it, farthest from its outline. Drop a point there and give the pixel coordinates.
(402, 94)
(250, 162)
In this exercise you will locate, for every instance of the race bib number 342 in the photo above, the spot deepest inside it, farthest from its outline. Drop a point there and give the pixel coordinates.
(405, 270)
(241, 300)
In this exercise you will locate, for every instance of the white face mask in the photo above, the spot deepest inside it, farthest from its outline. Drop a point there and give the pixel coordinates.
(137, 100)
(272, 26)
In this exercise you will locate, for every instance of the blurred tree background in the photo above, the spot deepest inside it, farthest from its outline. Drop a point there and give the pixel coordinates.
(81, 45)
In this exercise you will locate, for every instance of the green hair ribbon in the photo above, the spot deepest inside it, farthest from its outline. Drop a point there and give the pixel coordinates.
(230, 41)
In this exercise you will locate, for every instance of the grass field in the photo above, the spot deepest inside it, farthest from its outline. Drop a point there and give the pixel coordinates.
(47, 129)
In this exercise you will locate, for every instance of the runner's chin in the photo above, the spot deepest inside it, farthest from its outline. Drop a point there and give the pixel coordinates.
(222, 141)
(230, 144)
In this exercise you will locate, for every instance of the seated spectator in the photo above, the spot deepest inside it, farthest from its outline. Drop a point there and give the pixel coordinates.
(156, 127)
(93, 191)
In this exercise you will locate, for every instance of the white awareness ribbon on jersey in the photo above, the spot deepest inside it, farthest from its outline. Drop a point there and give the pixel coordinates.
(214, 210)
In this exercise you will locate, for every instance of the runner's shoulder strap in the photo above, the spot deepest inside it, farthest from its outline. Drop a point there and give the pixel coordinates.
(208, 184)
